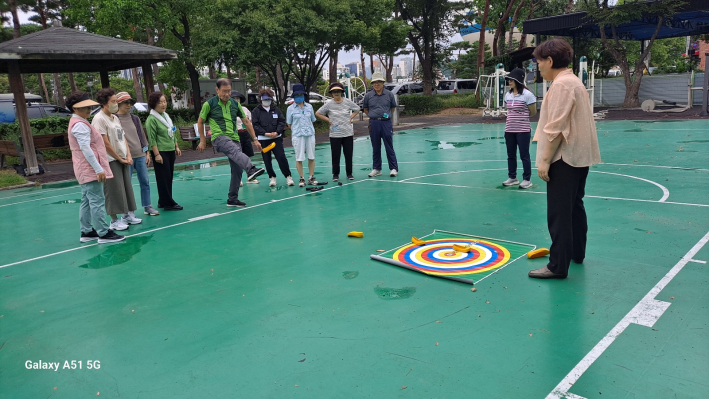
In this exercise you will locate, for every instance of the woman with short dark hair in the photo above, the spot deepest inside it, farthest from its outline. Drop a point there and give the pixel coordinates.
(163, 144)
(119, 190)
(567, 145)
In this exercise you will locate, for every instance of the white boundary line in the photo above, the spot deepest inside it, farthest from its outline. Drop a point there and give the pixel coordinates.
(665, 191)
(645, 313)
(195, 219)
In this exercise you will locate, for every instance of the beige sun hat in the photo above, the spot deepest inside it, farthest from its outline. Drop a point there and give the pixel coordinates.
(378, 77)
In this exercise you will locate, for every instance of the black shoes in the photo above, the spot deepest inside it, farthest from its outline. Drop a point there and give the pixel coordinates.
(335, 178)
(544, 273)
(173, 208)
(350, 177)
(255, 172)
(109, 237)
(235, 203)
(90, 236)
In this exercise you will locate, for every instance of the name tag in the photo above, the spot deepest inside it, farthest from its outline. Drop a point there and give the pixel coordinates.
(307, 113)
(274, 116)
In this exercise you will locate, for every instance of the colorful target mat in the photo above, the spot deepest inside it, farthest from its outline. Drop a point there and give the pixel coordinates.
(482, 257)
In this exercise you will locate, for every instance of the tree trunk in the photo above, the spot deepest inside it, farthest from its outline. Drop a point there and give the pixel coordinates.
(515, 17)
(500, 28)
(43, 86)
(389, 67)
(282, 90)
(481, 41)
(523, 38)
(258, 79)
(332, 70)
(196, 94)
(60, 92)
(15, 19)
(72, 82)
(361, 57)
(413, 67)
(228, 73)
(371, 64)
(212, 72)
(137, 87)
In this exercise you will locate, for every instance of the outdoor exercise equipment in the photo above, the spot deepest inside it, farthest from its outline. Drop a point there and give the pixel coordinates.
(492, 88)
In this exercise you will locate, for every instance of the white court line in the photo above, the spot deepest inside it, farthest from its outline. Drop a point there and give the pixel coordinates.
(665, 191)
(655, 166)
(645, 313)
(698, 261)
(181, 223)
(544, 192)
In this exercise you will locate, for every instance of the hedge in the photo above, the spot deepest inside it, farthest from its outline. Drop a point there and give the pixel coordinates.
(426, 105)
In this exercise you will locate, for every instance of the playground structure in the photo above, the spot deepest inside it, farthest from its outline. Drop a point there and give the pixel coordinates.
(355, 88)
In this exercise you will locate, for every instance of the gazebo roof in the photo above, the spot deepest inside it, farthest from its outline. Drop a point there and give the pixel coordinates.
(691, 19)
(59, 49)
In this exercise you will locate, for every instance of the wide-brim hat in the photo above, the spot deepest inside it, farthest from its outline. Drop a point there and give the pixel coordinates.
(237, 94)
(335, 86)
(378, 77)
(298, 89)
(85, 101)
(266, 96)
(518, 75)
(123, 96)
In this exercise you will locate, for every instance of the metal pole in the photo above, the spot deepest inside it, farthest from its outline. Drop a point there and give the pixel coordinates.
(705, 92)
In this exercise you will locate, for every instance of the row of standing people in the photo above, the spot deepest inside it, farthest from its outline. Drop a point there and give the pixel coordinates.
(106, 151)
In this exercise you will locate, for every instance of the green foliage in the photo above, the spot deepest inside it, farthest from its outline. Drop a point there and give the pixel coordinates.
(424, 105)
(10, 178)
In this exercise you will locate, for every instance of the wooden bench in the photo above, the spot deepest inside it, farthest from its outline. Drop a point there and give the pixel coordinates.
(188, 134)
(56, 141)
(10, 148)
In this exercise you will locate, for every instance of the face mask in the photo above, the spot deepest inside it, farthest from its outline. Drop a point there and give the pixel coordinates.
(266, 103)
(113, 108)
(299, 99)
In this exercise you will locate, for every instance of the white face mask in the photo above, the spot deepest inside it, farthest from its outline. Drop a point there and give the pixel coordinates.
(266, 103)
(113, 108)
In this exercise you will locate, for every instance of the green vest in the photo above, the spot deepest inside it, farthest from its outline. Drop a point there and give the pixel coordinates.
(222, 117)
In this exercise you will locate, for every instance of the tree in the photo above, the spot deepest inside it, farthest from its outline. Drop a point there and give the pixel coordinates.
(607, 16)
(431, 23)
(459, 46)
(387, 39)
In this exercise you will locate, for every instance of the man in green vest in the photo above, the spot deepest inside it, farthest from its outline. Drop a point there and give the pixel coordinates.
(221, 113)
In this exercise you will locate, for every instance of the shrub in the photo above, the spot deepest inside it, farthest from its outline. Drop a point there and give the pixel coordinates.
(426, 105)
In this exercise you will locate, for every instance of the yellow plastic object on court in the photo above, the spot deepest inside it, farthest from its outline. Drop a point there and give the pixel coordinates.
(357, 234)
(417, 241)
(461, 248)
(538, 253)
(269, 147)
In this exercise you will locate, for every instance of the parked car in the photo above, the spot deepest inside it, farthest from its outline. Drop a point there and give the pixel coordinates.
(34, 111)
(29, 97)
(404, 88)
(456, 86)
(139, 107)
(615, 72)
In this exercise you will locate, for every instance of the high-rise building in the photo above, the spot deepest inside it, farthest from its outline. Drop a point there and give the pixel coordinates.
(353, 68)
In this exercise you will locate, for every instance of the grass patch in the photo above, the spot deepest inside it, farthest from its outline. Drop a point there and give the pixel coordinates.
(9, 178)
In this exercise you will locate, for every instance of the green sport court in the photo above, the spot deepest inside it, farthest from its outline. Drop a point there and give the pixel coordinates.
(275, 301)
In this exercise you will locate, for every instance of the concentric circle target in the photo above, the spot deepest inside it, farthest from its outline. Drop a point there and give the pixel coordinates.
(438, 256)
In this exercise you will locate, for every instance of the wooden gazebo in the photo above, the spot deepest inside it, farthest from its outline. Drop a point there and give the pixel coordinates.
(62, 50)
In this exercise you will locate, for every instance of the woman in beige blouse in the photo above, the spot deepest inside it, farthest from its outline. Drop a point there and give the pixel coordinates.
(566, 147)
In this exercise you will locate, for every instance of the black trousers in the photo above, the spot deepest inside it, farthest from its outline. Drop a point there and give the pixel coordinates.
(280, 155)
(566, 215)
(346, 144)
(521, 140)
(163, 177)
(245, 140)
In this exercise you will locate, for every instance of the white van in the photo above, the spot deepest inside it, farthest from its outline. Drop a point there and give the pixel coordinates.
(404, 88)
(456, 86)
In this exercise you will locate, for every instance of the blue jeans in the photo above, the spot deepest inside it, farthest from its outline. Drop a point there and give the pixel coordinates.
(513, 141)
(142, 169)
(382, 130)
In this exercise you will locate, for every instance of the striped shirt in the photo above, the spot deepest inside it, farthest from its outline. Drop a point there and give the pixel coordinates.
(518, 111)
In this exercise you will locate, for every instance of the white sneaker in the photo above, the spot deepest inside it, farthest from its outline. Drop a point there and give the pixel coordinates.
(375, 172)
(131, 219)
(510, 182)
(254, 181)
(393, 173)
(118, 225)
(241, 184)
(289, 181)
(525, 184)
(272, 183)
